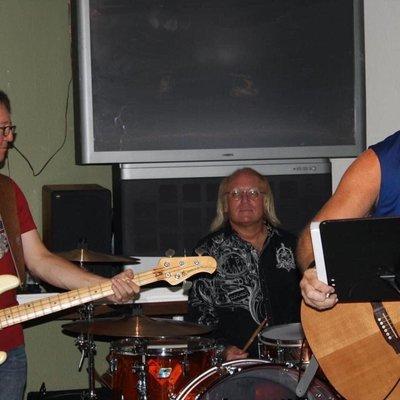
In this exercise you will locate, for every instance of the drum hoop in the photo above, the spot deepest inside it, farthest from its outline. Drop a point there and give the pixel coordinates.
(163, 352)
(280, 342)
(193, 383)
(199, 344)
(318, 384)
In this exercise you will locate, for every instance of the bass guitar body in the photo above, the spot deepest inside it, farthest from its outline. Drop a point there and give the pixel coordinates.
(352, 350)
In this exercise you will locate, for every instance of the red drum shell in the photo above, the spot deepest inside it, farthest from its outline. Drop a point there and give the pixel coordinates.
(168, 365)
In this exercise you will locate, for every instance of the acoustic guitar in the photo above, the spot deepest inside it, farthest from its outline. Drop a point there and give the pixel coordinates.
(357, 346)
(171, 269)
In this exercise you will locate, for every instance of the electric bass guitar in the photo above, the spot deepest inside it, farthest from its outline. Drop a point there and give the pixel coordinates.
(171, 269)
(358, 348)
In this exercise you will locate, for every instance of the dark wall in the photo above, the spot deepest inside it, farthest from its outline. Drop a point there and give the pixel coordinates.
(153, 215)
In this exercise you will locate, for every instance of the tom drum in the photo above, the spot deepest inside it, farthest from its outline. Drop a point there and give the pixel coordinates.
(157, 369)
(284, 344)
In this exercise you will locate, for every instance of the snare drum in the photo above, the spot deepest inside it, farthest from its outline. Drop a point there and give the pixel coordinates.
(156, 369)
(284, 344)
(252, 380)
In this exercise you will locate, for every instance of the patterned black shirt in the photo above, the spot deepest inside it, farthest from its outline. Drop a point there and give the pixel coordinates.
(247, 286)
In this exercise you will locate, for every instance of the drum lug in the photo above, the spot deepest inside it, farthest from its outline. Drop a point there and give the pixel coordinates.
(113, 365)
(185, 366)
(232, 370)
(141, 387)
(218, 358)
(281, 355)
(138, 368)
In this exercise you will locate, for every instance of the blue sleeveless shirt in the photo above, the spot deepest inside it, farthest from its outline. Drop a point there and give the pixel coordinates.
(388, 152)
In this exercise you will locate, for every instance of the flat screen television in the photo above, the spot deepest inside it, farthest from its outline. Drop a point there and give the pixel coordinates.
(211, 80)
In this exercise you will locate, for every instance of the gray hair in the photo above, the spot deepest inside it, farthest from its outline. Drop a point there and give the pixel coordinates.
(221, 216)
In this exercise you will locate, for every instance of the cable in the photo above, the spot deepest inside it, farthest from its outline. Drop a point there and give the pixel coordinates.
(62, 144)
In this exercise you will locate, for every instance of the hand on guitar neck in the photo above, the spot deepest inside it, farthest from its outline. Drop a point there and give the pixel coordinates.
(174, 270)
(315, 293)
(123, 287)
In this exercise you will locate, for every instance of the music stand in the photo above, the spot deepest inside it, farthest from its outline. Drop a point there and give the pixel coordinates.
(359, 257)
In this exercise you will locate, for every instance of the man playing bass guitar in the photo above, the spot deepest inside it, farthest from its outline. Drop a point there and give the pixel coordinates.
(21, 245)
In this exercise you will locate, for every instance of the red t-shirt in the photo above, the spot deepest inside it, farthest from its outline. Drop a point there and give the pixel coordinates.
(12, 336)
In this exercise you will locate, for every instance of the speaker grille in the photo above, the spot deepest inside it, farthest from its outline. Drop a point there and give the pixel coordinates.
(157, 214)
(75, 212)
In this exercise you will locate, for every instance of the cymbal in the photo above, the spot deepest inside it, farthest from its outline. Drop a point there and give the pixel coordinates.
(84, 255)
(137, 326)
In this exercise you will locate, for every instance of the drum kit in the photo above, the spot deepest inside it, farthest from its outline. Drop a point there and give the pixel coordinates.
(150, 358)
(162, 359)
(166, 359)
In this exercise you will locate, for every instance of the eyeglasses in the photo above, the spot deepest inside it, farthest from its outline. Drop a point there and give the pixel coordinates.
(7, 130)
(238, 193)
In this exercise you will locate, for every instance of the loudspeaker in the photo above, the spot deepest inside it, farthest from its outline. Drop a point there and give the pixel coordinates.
(157, 214)
(75, 212)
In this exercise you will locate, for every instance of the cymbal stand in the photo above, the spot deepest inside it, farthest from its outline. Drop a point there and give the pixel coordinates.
(85, 343)
(140, 367)
(87, 346)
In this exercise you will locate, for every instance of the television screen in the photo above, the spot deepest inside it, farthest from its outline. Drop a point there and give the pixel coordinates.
(207, 80)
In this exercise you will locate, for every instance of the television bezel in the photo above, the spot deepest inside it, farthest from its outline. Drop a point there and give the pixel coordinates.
(86, 154)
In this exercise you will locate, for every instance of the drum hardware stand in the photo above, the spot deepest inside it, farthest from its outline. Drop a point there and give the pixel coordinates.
(307, 377)
(85, 343)
(140, 368)
(87, 347)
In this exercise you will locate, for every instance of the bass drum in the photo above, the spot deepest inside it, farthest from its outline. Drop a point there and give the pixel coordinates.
(252, 380)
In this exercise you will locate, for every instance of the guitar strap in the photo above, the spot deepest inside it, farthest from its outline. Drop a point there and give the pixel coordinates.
(9, 215)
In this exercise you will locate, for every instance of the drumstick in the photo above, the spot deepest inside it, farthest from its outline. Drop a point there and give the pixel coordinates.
(255, 333)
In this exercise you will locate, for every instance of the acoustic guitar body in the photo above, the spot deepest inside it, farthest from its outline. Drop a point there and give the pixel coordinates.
(352, 351)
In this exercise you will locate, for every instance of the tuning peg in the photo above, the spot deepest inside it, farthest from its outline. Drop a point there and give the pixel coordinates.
(200, 251)
(170, 253)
